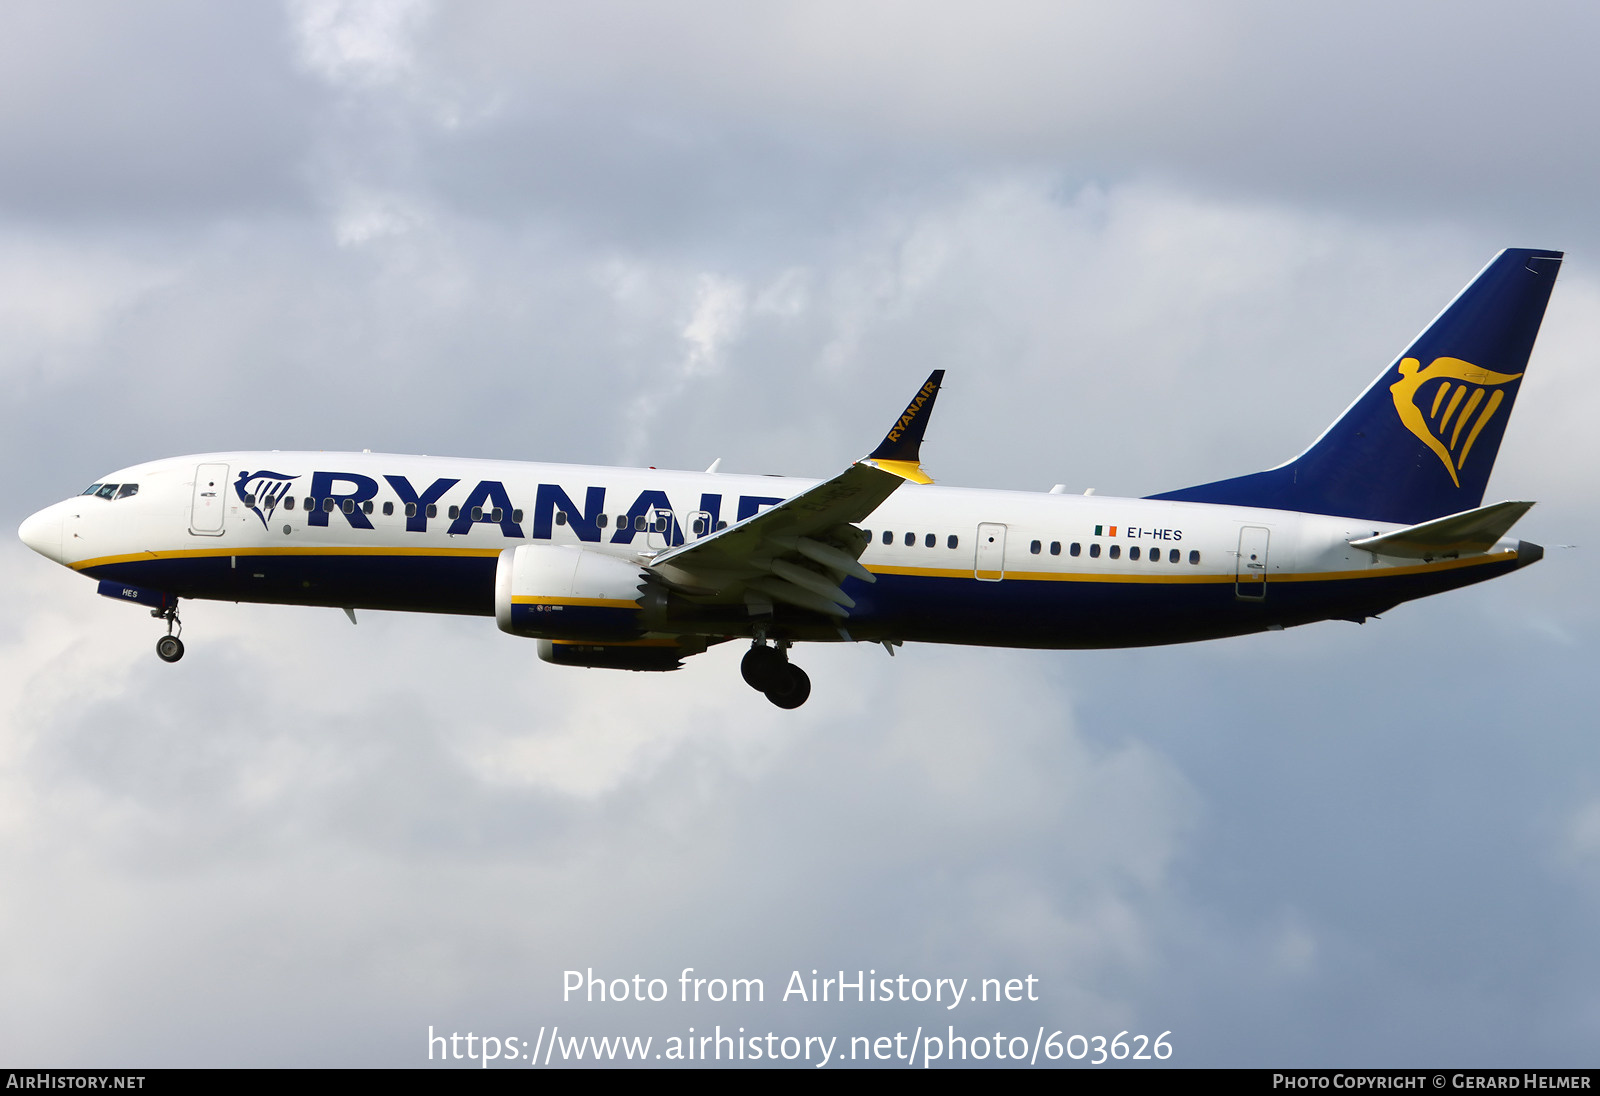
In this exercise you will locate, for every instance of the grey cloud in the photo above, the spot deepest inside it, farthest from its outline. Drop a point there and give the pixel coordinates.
(160, 110)
(1150, 248)
(1369, 109)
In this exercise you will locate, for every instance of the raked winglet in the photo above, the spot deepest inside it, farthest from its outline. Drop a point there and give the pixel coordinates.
(901, 448)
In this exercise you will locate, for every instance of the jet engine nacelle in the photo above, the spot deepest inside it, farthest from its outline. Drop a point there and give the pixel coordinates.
(565, 592)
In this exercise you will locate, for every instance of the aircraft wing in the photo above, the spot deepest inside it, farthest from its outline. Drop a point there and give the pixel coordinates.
(799, 551)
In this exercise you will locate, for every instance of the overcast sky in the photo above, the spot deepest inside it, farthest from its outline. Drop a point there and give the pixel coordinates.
(1152, 244)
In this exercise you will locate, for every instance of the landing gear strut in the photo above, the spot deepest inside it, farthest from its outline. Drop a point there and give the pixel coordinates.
(169, 648)
(768, 670)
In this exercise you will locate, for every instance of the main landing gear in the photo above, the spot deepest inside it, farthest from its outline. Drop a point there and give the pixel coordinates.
(169, 648)
(768, 670)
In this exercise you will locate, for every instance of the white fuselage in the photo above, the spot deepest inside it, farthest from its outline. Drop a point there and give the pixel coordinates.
(954, 565)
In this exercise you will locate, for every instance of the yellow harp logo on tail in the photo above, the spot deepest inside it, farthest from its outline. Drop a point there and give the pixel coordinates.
(1457, 411)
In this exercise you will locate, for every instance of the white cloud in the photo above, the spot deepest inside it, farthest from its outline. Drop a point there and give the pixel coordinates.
(718, 309)
(360, 43)
(58, 298)
(365, 216)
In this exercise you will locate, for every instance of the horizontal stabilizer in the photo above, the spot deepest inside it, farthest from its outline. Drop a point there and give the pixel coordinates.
(1456, 535)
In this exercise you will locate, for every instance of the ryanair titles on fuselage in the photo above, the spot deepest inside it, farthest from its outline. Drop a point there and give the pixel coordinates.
(487, 503)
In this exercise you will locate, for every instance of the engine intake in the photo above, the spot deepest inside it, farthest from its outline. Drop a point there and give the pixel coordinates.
(564, 592)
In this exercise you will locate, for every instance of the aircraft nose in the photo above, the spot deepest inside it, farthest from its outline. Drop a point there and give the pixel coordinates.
(42, 532)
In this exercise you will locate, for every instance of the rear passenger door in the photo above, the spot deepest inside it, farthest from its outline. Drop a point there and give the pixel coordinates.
(990, 564)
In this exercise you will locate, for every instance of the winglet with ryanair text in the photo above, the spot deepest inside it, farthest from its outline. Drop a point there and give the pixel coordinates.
(901, 448)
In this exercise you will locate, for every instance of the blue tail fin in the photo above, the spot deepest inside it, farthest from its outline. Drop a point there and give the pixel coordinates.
(1420, 442)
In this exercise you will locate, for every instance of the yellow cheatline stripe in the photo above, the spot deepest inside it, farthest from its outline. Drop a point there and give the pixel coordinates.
(922, 572)
(1309, 576)
(602, 602)
(1413, 569)
(1045, 576)
(299, 550)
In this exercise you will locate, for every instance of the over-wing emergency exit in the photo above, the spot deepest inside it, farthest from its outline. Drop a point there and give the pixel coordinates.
(638, 569)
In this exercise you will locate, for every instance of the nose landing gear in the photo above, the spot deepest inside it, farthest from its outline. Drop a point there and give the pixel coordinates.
(768, 670)
(169, 648)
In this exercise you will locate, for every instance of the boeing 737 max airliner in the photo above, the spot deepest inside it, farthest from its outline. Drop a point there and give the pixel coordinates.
(639, 569)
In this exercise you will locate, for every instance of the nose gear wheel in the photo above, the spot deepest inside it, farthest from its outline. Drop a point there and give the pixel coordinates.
(169, 648)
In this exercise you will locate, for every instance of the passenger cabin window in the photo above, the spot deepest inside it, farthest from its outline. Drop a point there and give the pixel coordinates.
(599, 522)
(722, 525)
(561, 517)
(888, 537)
(516, 516)
(953, 541)
(349, 506)
(1075, 549)
(433, 510)
(1055, 547)
(477, 514)
(327, 505)
(1116, 551)
(388, 509)
(1094, 551)
(288, 502)
(411, 509)
(455, 512)
(929, 541)
(496, 514)
(911, 540)
(1133, 553)
(1172, 556)
(1035, 547)
(1194, 557)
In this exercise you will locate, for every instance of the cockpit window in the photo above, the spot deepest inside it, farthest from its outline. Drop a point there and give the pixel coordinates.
(112, 490)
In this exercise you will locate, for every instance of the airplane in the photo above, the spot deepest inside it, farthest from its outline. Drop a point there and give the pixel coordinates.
(638, 569)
